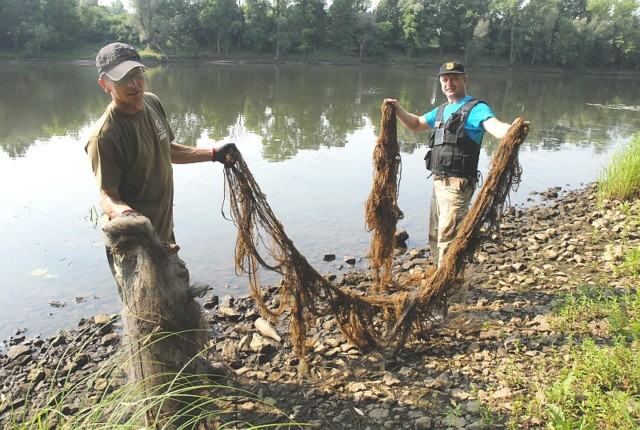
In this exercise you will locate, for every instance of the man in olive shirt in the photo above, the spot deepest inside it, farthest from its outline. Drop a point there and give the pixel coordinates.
(131, 150)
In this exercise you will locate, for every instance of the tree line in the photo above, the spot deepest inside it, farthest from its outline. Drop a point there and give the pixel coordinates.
(569, 34)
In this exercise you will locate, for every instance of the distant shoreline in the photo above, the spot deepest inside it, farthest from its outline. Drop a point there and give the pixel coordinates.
(328, 61)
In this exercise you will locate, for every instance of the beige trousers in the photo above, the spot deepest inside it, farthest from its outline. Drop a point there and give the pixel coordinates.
(449, 205)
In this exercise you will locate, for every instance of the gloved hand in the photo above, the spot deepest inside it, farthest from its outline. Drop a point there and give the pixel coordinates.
(220, 154)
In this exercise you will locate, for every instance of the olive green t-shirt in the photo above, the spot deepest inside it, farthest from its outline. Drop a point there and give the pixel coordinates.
(132, 152)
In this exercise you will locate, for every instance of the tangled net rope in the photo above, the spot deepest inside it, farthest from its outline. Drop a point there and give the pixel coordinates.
(367, 321)
(381, 209)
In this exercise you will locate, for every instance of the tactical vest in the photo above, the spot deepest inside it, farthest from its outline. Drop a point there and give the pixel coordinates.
(453, 152)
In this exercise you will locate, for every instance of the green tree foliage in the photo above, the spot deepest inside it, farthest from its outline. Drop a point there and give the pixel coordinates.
(223, 19)
(366, 31)
(412, 41)
(259, 25)
(17, 19)
(381, 39)
(281, 15)
(61, 19)
(344, 24)
(573, 9)
(540, 21)
(618, 22)
(572, 43)
(165, 23)
(615, 26)
(455, 22)
(9, 23)
(145, 19)
(419, 30)
(564, 33)
(307, 24)
(478, 46)
(512, 30)
(389, 19)
(97, 23)
(40, 25)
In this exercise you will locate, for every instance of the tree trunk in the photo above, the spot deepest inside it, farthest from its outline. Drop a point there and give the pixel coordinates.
(277, 41)
(512, 52)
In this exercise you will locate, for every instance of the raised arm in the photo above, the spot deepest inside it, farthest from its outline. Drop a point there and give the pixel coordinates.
(495, 127)
(409, 120)
(181, 154)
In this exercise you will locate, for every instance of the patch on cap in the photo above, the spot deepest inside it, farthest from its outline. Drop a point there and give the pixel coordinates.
(452, 67)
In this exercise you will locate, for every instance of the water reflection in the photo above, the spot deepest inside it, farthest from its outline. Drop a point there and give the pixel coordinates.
(293, 107)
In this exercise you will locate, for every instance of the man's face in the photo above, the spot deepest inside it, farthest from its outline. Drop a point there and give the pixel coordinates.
(453, 85)
(128, 92)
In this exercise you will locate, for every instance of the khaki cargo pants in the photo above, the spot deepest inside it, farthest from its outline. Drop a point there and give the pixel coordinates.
(449, 205)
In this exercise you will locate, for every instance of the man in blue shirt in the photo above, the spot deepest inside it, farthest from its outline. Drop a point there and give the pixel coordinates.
(458, 128)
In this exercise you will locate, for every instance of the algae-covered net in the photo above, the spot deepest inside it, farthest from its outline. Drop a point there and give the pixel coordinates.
(164, 332)
(304, 293)
(381, 209)
(372, 319)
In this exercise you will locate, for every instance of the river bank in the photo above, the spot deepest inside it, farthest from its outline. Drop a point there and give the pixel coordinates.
(86, 56)
(501, 344)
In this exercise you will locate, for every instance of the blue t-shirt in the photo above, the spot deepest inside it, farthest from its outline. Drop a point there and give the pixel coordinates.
(473, 125)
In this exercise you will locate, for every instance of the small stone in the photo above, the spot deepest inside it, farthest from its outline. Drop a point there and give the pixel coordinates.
(229, 312)
(502, 393)
(424, 423)
(18, 351)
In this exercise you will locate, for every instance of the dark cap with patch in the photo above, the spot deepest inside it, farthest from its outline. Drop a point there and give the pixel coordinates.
(452, 68)
(116, 60)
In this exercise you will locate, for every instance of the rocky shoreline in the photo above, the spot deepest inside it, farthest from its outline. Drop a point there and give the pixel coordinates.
(468, 370)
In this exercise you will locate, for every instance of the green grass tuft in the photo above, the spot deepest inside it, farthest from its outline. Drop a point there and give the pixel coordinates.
(620, 180)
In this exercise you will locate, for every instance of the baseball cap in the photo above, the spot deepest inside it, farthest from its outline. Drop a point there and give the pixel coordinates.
(452, 68)
(116, 60)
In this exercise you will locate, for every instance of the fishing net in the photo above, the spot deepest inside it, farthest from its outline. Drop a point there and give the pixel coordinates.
(504, 176)
(381, 209)
(263, 243)
(379, 320)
